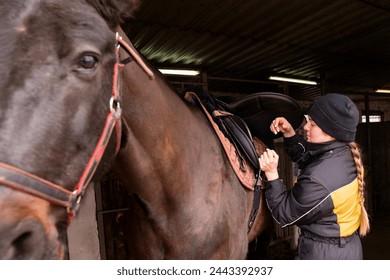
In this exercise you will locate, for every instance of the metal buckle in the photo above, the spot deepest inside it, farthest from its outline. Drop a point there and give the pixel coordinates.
(74, 202)
(115, 108)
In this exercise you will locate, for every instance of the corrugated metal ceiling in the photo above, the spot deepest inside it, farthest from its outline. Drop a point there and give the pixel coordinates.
(344, 44)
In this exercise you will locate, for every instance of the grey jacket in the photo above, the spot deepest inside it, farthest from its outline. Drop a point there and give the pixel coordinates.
(324, 201)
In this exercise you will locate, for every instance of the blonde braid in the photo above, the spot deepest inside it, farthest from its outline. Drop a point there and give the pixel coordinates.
(364, 220)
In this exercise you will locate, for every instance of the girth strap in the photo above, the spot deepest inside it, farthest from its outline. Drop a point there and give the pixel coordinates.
(255, 202)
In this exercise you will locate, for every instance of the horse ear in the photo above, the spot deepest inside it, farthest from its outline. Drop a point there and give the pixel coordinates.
(126, 8)
(115, 11)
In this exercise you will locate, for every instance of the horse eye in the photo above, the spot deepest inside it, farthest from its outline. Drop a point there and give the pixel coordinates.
(88, 61)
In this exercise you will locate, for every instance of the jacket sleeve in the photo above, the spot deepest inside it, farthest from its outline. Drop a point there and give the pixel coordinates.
(305, 203)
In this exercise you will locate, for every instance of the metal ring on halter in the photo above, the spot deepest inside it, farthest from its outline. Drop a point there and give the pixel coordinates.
(74, 202)
(115, 108)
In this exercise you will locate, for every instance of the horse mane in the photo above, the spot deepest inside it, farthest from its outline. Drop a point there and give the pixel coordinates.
(115, 12)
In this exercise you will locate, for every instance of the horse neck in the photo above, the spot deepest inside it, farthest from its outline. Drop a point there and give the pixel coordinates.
(157, 125)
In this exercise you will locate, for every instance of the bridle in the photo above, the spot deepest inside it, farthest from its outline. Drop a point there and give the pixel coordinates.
(20, 180)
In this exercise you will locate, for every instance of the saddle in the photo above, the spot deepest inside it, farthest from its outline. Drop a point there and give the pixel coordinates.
(233, 124)
(250, 117)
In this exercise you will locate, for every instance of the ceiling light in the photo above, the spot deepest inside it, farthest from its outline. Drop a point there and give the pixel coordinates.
(291, 80)
(179, 72)
(383, 91)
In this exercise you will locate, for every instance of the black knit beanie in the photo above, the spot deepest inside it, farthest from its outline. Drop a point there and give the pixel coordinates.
(337, 115)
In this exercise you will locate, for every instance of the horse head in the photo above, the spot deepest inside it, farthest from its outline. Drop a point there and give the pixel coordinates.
(57, 62)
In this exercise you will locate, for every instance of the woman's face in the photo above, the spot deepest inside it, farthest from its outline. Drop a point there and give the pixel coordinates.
(314, 133)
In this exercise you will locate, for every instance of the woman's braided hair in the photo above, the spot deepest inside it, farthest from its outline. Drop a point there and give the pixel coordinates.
(364, 220)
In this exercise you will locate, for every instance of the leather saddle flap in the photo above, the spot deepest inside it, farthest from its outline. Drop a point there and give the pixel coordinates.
(241, 135)
(258, 110)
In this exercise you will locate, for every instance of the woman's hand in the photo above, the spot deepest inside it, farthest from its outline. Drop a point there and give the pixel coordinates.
(282, 125)
(269, 164)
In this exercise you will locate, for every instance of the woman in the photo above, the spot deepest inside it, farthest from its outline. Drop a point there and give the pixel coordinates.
(327, 201)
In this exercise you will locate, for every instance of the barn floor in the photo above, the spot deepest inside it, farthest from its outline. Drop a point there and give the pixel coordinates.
(376, 245)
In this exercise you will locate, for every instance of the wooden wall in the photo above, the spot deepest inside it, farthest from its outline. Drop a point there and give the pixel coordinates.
(374, 140)
(112, 210)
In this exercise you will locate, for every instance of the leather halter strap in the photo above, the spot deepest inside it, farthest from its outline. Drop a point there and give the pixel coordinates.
(18, 179)
(21, 180)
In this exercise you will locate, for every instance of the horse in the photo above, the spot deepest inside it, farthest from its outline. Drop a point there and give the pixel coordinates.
(78, 100)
